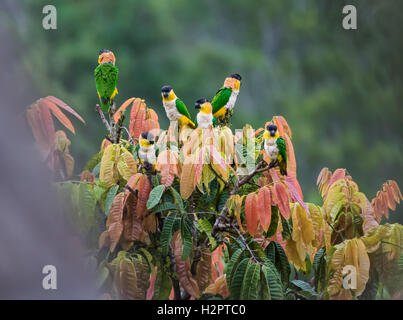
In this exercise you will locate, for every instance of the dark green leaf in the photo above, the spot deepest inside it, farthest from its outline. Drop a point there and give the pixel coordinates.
(155, 196)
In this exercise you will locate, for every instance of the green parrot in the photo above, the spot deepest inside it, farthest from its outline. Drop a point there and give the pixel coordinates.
(106, 78)
(175, 108)
(225, 98)
(275, 147)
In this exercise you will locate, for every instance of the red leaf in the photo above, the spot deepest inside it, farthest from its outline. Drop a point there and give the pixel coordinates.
(264, 207)
(281, 196)
(251, 213)
(64, 106)
(123, 107)
(337, 175)
(58, 114)
(295, 196)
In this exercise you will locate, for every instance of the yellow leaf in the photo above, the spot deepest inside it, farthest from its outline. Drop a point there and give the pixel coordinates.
(126, 165)
(108, 171)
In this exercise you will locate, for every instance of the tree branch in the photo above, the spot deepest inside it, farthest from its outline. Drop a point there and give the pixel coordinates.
(102, 116)
(223, 217)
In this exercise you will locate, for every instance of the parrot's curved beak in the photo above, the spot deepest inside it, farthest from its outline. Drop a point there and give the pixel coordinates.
(197, 106)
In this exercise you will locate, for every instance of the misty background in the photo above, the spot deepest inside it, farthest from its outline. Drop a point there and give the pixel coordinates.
(340, 90)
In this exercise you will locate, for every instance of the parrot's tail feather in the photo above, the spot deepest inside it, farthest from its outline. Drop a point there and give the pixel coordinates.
(283, 168)
(105, 104)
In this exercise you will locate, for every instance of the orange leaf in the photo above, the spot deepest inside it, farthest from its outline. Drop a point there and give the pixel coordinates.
(64, 106)
(137, 118)
(183, 268)
(143, 187)
(251, 213)
(58, 114)
(122, 108)
(281, 197)
(168, 165)
(114, 223)
(264, 207)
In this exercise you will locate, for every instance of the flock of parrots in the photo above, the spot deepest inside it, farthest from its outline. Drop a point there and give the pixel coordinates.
(215, 113)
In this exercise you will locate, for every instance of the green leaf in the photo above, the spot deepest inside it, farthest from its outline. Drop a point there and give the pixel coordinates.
(149, 258)
(96, 169)
(250, 282)
(101, 276)
(86, 200)
(155, 196)
(99, 189)
(270, 252)
(275, 253)
(155, 179)
(109, 198)
(167, 232)
(178, 199)
(223, 200)
(237, 279)
(264, 291)
(287, 229)
(319, 267)
(232, 265)
(165, 206)
(400, 262)
(303, 289)
(187, 241)
(273, 279)
(273, 223)
(203, 225)
(163, 285)
(213, 185)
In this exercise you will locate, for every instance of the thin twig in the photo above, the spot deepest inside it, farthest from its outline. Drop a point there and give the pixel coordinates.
(236, 188)
(246, 244)
(102, 116)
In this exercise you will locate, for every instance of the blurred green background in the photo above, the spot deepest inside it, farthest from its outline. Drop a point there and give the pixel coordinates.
(340, 90)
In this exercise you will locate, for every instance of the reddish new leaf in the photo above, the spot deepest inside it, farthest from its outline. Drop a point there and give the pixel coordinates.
(264, 207)
(64, 106)
(295, 196)
(122, 108)
(281, 198)
(251, 213)
(58, 114)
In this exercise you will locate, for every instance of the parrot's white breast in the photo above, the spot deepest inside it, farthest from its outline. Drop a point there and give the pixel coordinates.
(270, 146)
(204, 120)
(232, 99)
(171, 111)
(147, 154)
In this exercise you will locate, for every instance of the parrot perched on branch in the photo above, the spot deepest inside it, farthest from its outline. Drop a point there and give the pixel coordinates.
(205, 117)
(275, 147)
(146, 149)
(225, 98)
(106, 78)
(175, 108)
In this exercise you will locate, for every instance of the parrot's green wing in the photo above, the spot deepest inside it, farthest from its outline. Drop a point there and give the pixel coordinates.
(282, 148)
(215, 122)
(221, 98)
(106, 78)
(181, 107)
(157, 151)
